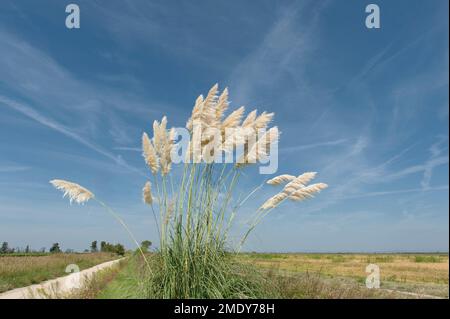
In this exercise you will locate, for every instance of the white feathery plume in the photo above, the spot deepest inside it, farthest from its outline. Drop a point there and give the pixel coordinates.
(207, 113)
(281, 179)
(163, 125)
(307, 192)
(305, 178)
(147, 194)
(234, 119)
(299, 182)
(304, 192)
(232, 122)
(166, 163)
(195, 112)
(74, 191)
(149, 153)
(157, 139)
(163, 136)
(274, 201)
(222, 104)
(250, 119)
(211, 96)
(208, 110)
(166, 151)
(208, 117)
(263, 120)
(163, 141)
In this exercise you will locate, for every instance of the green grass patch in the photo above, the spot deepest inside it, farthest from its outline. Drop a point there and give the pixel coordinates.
(427, 259)
(380, 259)
(127, 283)
(337, 258)
(23, 271)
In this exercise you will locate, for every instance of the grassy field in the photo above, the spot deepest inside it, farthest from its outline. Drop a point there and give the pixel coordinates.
(23, 270)
(313, 276)
(126, 283)
(417, 273)
(283, 275)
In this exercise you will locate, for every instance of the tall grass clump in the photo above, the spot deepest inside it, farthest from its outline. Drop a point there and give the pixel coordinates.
(194, 208)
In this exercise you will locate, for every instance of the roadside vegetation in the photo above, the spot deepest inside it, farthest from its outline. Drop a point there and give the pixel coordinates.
(288, 277)
(100, 282)
(23, 270)
(273, 275)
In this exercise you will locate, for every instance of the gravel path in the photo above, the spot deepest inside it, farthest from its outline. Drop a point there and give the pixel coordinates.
(57, 287)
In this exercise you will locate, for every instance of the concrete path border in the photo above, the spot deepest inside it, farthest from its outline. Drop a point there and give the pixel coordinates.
(56, 288)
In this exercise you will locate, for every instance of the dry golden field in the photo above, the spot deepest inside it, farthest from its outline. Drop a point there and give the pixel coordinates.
(395, 267)
(418, 273)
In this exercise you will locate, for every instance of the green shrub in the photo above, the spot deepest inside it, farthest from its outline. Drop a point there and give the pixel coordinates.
(427, 259)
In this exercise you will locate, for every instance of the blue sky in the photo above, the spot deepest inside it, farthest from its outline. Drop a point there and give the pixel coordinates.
(367, 109)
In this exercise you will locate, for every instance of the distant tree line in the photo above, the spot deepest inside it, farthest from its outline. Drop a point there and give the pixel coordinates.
(55, 248)
(145, 245)
(108, 248)
(115, 248)
(6, 249)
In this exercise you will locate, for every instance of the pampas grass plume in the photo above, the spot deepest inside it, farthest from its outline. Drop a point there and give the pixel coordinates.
(299, 182)
(74, 191)
(307, 192)
(274, 201)
(149, 153)
(147, 193)
(281, 179)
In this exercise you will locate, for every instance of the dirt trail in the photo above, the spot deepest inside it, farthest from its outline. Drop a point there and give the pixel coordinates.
(57, 287)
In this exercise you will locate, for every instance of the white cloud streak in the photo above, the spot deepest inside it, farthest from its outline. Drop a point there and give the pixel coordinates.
(13, 168)
(34, 115)
(314, 145)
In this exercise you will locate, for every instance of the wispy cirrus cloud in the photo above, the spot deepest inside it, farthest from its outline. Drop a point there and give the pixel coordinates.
(86, 106)
(36, 116)
(13, 168)
(314, 145)
(126, 148)
(362, 108)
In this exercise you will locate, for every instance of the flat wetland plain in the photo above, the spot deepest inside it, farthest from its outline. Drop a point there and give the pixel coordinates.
(295, 275)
